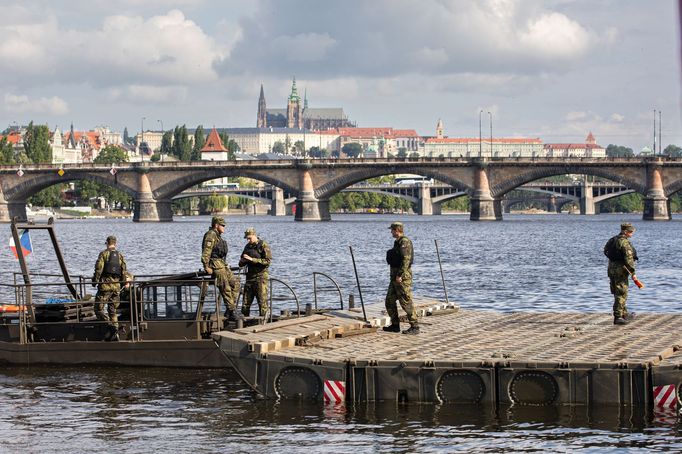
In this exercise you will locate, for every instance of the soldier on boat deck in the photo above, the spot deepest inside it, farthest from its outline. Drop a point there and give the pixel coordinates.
(110, 269)
(257, 257)
(400, 287)
(213, 254)
(622, 256)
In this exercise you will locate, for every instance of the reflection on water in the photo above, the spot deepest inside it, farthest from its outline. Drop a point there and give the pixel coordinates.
(524, 263)
(135, 410)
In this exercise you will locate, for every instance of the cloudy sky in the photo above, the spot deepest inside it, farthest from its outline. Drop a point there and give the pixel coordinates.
(553, 69)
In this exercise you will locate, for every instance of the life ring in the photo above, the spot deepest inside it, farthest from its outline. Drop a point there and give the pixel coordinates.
(9, 308)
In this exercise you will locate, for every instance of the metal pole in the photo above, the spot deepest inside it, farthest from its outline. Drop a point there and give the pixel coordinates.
(357, 280)
(162, 133)
(480, 137)
(654, 132)
(660, 143)
(491, 134)
(142, 138)
(442, 277)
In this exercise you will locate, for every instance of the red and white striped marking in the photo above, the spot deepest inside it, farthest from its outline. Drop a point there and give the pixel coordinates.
(334, 391)
(665, 396)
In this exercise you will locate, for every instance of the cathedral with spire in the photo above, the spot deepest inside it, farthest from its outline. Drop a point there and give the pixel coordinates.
(298, 115)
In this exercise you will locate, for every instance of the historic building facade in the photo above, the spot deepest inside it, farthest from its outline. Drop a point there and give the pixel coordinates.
(589, 149)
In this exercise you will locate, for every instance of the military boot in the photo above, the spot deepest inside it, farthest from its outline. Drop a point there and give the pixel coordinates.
(620, 321)
(414, 329)
(392, 328)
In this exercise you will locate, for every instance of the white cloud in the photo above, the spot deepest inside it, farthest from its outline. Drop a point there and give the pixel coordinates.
(143, 94)
(618, 118)
(573, 116)
(163, 49)
(556, 36)
(45, 106)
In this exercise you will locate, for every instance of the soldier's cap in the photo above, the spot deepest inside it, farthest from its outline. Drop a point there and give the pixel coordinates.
(396, 226)
(250, 231)
(218, 220)
(626, 227)
(111, 239)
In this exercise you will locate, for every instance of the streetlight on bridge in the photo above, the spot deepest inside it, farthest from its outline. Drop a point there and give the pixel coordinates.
(491, 133)
(142, 138)
(162, 132)
(480, 135)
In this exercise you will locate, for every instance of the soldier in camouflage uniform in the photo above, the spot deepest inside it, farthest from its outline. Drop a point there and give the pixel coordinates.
(213, 254)
(109, 271)
(257, 257)
(400, 287)
(622, 257)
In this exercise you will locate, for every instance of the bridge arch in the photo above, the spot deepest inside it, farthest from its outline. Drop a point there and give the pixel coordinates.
(172, 188)
(508, 184)
(328, 189)
(33, 185)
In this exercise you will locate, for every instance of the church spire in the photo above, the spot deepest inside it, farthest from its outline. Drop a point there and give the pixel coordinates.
(305, 99)
(294, 93)
(262, 121)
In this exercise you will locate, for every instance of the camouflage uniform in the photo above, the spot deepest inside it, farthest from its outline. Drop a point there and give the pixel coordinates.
(619, 276)
(108, 287)
(256, 276)
(213, 254)
(401, 291)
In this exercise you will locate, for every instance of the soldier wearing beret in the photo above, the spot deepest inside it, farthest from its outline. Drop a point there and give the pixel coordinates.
(110, 268)
(213, 254)
(622, 256)
(400, 287)
(256, 257)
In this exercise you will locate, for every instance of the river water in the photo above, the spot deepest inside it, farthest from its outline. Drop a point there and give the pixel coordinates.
(526, 262)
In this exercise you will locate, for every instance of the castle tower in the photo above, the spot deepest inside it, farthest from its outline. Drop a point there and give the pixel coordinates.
(590, 139)
(294, 108)
(439, 129)
(262, 121)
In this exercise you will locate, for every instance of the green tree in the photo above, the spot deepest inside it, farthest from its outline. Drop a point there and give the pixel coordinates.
(402, 152)
(6, 152)
(352, 149)
(37, 144)
(49, 197)
(199, 142)
(181, 147)
(628, 203)
(673, 151)
(213, 204)
(232, 149)
(618, 151)
(166, 143)
(278, 147)
(299, 148)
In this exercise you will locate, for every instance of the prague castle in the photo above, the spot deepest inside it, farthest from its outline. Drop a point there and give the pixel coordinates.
(298, 115)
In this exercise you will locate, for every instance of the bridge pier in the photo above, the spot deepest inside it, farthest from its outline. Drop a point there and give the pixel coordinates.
(482, 203)
(551, 204)
(587, 198)
(308, 207)
(656, 204)
(277, 206)
(148, 209)
(4, 208)
(424, 206)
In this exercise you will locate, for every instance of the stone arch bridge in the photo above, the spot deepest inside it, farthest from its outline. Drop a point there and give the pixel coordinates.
(312, 182)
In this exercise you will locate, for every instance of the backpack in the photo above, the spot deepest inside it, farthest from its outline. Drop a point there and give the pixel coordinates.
(611, 249)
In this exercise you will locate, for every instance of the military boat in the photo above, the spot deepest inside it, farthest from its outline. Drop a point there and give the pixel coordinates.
(163, 320)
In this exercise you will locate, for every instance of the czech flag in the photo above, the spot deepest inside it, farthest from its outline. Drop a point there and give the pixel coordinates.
(25, 243)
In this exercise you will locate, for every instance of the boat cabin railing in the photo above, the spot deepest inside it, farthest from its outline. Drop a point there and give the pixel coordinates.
(151, 307)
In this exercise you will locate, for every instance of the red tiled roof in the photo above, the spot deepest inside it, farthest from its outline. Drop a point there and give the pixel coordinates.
(562, 146)
(213, 142)
(91, 137)
(13, 137)
(405, 133)
(486, 140)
